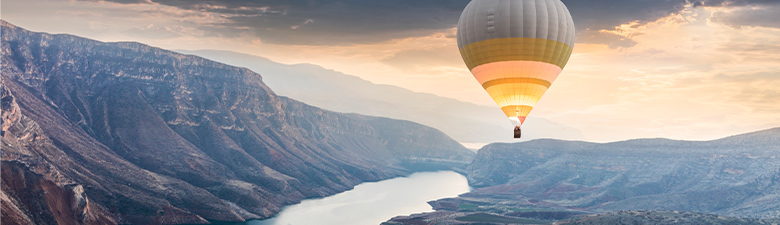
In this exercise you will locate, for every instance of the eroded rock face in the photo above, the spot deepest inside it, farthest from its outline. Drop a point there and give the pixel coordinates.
(29, 198)
(152, 136)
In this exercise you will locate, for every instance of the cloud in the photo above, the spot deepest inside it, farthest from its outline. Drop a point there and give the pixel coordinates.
(308, 21)
(761, 100)
(736, 2)
(156, 31)
(432, 55)
(346, 22)
(749, 16)
(605, 14)
(304, 22)
(601, 37)
(757, 90)
(758, 77)
(592, 17)
(362, 22)
(122, 1)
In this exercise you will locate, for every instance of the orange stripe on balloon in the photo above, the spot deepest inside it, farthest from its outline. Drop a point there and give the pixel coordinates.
(506, 69)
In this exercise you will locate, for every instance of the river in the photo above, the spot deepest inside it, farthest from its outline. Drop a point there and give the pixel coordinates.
(374, 202)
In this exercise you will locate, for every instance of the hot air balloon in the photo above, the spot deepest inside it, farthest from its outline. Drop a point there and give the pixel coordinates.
(516, 49)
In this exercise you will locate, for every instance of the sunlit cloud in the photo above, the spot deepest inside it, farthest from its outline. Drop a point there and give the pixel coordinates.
(308, 21)
(685, 78)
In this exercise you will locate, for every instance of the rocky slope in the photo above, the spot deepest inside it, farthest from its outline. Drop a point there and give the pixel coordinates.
(101, 133)
(656, 174)
(663, 218)
(552, 180)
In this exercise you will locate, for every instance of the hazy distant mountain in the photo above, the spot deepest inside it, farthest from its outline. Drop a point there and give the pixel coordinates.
(103, 133)
(312, 84)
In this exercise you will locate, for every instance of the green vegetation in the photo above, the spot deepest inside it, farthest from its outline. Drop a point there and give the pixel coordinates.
(490, 218)
(515, 209)
(467, 206)
(522, 210)
(663, 217)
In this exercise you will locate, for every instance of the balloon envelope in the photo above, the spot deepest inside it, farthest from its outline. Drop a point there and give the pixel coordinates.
(516, 49)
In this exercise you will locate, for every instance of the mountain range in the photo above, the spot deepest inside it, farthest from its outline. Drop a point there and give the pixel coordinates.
(468, 123)
(554, 180)
(126, 133)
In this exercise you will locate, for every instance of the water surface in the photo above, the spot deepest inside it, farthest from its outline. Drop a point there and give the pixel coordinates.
(373, 203)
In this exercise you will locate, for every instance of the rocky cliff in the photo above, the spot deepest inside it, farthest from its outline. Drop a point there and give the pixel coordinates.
(102, 133)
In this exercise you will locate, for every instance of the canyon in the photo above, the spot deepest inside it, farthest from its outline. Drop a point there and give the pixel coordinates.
(118, 133)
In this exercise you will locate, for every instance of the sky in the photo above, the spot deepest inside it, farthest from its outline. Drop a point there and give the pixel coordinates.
(693, 69)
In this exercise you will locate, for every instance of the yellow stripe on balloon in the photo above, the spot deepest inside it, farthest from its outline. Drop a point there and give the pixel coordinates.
(516, 93)
(516, 49)
(516, 80)
(517, 110)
